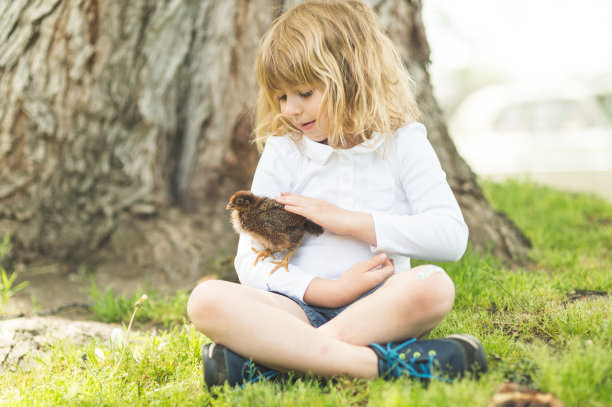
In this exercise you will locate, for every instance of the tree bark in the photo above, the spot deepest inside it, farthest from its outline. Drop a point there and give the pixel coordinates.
(124, 128)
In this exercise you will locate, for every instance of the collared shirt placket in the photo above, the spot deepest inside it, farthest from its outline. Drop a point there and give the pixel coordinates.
(346, 181)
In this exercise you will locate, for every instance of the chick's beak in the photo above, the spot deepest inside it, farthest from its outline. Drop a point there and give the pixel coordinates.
(229, 206)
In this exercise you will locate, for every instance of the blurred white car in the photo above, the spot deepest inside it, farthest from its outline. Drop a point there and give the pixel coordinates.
(561, 136)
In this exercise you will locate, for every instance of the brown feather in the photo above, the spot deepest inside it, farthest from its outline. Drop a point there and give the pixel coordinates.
(269, 223)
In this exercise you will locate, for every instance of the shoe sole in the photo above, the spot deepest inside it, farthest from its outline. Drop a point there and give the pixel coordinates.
(474, 350)
(210, 369)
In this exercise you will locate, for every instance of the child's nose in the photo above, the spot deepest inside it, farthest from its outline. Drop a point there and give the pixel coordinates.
(292, 106)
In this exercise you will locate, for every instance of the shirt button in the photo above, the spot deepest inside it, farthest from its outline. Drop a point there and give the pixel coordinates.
(345, 159)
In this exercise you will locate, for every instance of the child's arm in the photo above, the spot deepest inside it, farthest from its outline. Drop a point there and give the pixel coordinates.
(258, 274)
(351, 285)
(331, 217)
(433, 228)
(358, 279)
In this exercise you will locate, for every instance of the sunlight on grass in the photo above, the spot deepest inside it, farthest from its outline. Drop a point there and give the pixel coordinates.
(546, 326)
(156, 365)
(165, 310)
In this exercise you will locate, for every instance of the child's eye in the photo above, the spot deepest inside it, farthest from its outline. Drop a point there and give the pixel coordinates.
(282, 98)
(306, 94)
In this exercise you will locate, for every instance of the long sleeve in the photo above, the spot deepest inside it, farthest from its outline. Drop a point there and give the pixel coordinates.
(434, 228)
(273, 175)
(292, 283)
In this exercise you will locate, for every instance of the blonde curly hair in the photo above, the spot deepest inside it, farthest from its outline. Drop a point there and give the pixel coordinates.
(336, 46)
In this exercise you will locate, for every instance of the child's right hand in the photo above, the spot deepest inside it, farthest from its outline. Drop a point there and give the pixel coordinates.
(355, 282)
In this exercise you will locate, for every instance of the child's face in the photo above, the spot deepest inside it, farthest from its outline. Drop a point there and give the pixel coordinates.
(301, 105)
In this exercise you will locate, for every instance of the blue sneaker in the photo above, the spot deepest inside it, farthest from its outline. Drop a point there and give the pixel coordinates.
(440, 359)
(221, 365)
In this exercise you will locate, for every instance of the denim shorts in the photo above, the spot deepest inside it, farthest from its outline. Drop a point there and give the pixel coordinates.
(320, 315)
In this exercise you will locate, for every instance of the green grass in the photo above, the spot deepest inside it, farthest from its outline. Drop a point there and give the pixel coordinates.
(536, 330)
(160, 309)
(7, 283)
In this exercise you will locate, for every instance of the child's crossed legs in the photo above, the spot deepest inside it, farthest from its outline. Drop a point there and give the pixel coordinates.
(274, 330)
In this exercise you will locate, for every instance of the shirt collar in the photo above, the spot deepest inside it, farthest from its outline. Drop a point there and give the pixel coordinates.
(320, 153)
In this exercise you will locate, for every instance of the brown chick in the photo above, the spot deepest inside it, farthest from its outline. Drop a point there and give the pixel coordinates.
(270, 224)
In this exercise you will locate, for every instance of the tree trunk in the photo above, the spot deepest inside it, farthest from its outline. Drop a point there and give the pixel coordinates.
(124, 128)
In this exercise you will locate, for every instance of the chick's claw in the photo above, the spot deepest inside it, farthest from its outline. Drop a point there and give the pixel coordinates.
(279, 264)
(262, 254)
(283, 263)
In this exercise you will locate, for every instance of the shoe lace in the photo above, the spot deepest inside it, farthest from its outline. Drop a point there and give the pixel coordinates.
(398, 364)
(253, 374)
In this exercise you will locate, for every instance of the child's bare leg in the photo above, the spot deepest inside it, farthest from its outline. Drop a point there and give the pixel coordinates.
(408, 305)
(274, 331)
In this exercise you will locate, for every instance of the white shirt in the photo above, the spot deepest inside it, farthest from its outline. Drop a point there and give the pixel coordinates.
(400, 183)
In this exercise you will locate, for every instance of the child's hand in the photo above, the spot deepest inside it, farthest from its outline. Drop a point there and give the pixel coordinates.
(355, 282)
(331, 217)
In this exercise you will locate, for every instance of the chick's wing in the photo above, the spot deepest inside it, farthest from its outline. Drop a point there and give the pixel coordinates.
(279, 224)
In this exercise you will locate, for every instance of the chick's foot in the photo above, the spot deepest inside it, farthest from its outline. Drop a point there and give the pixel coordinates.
(283, 263)
(262, 254)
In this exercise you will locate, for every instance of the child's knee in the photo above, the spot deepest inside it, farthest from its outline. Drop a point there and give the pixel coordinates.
(204, 301)
(428, 270)
(436, 291)
(438, 286)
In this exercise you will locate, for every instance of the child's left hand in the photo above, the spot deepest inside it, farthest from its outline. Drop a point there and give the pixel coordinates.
(331, 217)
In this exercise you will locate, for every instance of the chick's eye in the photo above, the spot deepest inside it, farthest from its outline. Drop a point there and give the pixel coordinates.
(239, 201)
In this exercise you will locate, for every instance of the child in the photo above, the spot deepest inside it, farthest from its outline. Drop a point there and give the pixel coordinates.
(342, 148)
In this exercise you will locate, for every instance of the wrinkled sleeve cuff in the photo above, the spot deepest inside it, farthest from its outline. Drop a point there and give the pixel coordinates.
(293, 283)
(431, 237)
(381, 227)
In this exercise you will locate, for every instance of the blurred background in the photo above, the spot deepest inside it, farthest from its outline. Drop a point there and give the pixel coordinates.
(526, 87)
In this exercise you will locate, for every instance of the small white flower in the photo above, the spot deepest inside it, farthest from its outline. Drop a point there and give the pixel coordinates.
(116, 337)
(99, 353)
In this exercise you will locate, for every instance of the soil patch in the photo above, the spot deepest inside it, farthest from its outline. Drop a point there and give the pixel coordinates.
(577, 295)
(22, 338)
